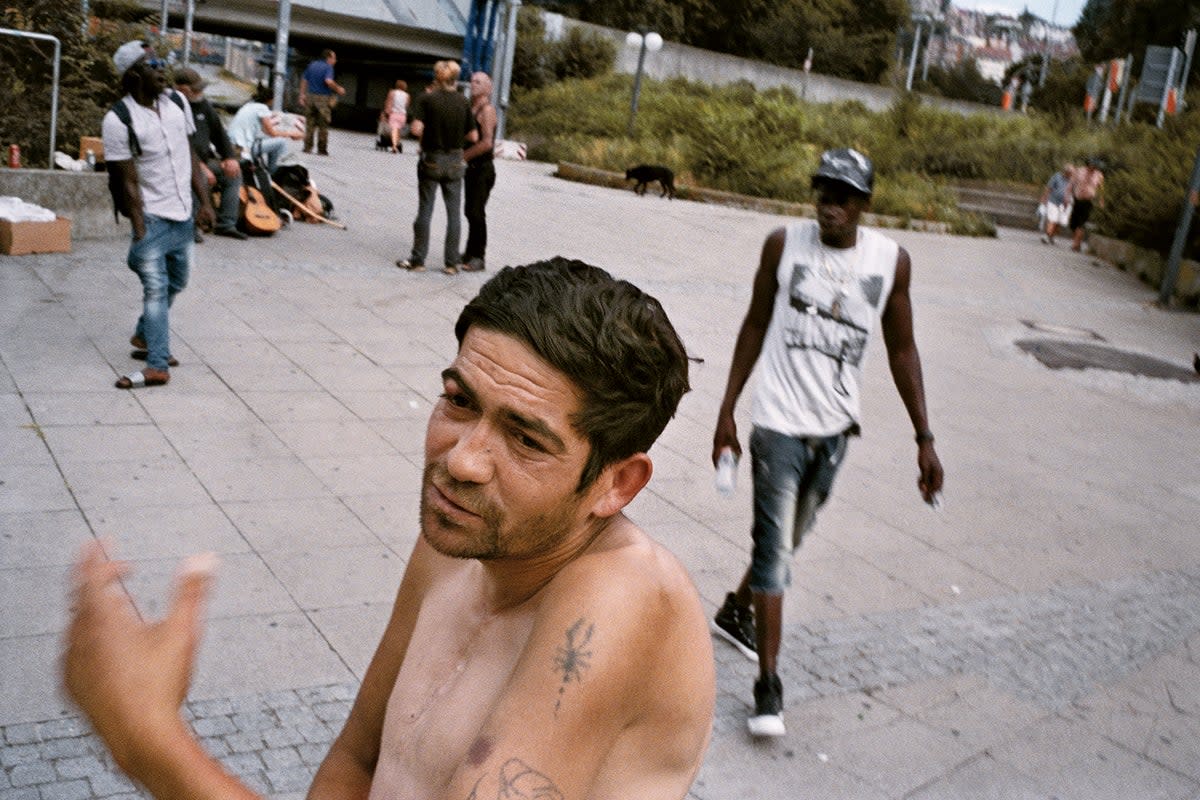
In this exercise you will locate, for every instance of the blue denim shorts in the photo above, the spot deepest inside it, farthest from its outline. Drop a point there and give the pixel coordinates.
(792, 479)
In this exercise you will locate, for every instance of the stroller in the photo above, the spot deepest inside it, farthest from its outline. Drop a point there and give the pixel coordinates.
(383, 134)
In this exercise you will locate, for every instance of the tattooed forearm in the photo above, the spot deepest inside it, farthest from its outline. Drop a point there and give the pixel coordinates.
(573, 658)
(519, 781)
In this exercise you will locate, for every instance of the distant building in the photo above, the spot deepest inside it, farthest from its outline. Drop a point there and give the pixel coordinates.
(995, 41)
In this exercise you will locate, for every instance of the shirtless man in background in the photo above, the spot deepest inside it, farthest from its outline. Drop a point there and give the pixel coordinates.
(541, 644)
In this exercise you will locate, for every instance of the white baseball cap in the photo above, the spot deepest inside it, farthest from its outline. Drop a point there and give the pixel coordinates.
(129, 54)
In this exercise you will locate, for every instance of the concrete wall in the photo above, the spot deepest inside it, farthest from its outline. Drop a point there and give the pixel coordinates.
(80, 196)
(706, 66)
(1149, 266)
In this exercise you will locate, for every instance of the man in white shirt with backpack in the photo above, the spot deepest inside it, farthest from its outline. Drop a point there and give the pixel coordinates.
(155, 171)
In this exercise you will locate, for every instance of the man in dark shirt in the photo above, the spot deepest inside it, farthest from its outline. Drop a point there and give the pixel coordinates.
(442, 122)
(216, 155)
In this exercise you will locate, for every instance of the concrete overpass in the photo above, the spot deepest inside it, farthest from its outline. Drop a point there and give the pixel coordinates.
(377, 41)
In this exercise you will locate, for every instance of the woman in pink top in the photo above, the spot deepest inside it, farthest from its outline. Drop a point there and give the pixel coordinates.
(1085, 188)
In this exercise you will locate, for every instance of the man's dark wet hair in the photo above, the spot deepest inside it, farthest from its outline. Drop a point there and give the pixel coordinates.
(611, 339)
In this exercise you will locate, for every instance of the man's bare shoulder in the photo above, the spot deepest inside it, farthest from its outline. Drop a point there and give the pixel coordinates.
(640, 586)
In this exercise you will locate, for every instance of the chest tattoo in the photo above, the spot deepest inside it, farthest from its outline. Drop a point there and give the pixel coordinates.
(517, 781)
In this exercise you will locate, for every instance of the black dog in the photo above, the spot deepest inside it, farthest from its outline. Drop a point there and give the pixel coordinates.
(645, 173)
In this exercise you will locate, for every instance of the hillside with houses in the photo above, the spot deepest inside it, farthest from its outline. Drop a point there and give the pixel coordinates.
(995, 41)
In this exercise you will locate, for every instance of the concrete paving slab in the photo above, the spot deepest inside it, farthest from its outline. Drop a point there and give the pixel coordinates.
(307, 523)
(290, 440)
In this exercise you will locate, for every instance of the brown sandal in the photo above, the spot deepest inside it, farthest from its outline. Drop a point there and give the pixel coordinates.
(147, 377)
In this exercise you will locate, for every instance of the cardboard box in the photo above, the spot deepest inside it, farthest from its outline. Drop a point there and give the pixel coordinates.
(93, 143)
(20, 238)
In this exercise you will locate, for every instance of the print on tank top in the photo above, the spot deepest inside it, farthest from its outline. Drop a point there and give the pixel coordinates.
(832, 318)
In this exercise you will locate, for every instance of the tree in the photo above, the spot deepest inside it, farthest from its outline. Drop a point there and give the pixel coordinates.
(88, 83)
(1112, 28)
(849, 39)
(538, 62)
(583, 54)
(532, 63)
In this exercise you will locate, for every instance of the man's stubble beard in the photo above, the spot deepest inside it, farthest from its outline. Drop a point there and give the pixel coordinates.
(486, 545)
(491, 543)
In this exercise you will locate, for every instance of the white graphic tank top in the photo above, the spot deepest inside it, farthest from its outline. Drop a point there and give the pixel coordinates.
(827, 305)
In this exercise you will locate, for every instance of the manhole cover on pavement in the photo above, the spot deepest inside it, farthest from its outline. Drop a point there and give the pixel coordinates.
(1057, 354)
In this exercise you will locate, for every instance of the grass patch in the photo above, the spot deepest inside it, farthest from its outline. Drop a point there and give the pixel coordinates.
(767, 144)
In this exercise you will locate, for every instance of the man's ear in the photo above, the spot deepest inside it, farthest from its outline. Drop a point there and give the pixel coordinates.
(620, 482)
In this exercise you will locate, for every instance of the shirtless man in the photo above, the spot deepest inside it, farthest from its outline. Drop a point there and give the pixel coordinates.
(1086, 183)
(541, 644)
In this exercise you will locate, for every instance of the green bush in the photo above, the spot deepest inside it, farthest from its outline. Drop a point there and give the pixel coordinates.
(582, 54)
(1146, 179)
(961, 82)
(767, 144)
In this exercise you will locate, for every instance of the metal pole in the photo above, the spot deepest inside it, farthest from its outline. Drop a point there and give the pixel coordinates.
(54, 90)
(281, 52)
(912, 60)
(162, 28)
(925, 56)
(637, 84)
(1171, 273)
(1189, 47)
(1126, 79)
(86, 13)
(188, 18)
(510, 48)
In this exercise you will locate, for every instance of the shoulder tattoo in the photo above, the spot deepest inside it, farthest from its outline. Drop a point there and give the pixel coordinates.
(573, 658)
(517, 781)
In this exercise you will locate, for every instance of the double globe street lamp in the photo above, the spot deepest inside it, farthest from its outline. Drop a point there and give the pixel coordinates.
(643, 40)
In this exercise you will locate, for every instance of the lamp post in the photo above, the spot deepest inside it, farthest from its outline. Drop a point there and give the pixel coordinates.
(919, 19)
(643, 40)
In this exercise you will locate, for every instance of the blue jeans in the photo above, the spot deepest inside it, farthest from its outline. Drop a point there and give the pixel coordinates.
(161, 259)
(792, 479)
(231, 190)
(272, 148)
(441, 169)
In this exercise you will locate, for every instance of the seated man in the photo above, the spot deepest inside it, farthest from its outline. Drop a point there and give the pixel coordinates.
(541, 644)
(215, 152)
(257, 130)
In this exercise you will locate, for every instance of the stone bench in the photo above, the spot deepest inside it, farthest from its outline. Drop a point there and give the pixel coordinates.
(80, 196)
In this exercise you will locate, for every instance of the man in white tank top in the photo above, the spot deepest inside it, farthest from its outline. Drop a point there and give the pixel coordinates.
(818, 291)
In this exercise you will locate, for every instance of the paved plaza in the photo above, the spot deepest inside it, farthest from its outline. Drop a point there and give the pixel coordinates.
(1039, 637)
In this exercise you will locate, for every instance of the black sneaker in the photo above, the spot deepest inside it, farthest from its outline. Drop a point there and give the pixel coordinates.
(735, 624)
(768, 708)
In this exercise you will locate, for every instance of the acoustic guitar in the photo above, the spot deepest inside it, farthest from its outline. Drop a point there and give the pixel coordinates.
(257, 217)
